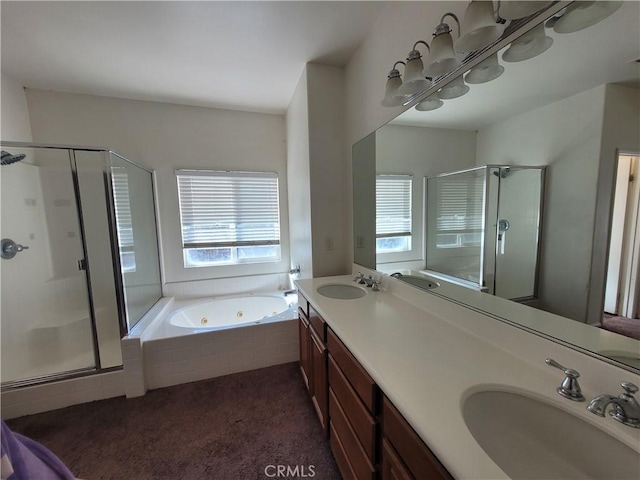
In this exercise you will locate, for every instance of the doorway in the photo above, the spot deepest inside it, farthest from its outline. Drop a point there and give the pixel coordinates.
(623, 279)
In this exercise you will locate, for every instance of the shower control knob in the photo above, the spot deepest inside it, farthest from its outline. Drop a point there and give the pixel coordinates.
(11, 248)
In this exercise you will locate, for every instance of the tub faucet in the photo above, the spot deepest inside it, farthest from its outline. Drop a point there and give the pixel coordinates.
(396, 275)
(626, 410)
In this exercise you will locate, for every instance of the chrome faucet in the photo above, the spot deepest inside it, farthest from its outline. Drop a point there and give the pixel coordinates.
(569, 388)
(626, 410)
(369, 281)
(359, 278)
(396, 274)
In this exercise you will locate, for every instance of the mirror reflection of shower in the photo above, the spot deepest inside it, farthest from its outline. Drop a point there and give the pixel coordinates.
(469, 213)
(7, 159)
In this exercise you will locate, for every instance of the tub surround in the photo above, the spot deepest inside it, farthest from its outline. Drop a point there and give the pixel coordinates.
(428, 355)
(158, 354)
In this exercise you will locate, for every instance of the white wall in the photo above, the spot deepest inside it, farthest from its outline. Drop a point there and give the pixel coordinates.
(298, 168)
(565, 136)
(329, 200)
(620, 132)
(318, 199)
(14, 122)
(165, 137)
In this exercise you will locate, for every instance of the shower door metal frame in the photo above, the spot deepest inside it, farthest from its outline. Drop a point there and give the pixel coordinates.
(115, 253)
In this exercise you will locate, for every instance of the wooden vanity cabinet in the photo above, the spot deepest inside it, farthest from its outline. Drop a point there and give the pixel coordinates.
(369, 438)
(305, 353)
(404, 455)
(352, 413)
(313, 358)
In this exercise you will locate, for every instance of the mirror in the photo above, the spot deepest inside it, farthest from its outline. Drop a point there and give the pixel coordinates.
(570, 119)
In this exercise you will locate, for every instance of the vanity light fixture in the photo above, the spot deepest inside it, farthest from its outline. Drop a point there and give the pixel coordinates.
(432, 102)
(454, 89)
(394, 81)
(414, 80)
(580, 15)
(529, 45)
(442, 58)
(514, 10)
(480, 27)
(484, 72)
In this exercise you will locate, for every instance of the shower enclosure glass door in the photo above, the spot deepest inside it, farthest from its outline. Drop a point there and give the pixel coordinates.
(483, 228)
(78, 229)
(46, 315)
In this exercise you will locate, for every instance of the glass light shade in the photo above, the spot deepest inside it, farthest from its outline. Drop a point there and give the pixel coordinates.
(479, 27)
(432, 102)
(391, 97)
(442, 58)
(580, 15)
(414, 81)
(514, 10)
(454, 89)
(486, 71)
(529, 45)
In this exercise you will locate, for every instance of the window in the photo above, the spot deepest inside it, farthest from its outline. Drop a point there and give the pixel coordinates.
(393, 213)
(228, 217)
(124, 224)
(460, 211)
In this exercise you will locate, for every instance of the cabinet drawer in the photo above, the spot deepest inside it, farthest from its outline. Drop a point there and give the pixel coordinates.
(318, 324)
(303, 314)
(339, 454)
(359, 379)
(361, 421)
(420, 461)
(303, 304)
(354, 452)
(392, 467)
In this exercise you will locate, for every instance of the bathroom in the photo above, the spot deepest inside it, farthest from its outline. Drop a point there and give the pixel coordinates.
(331, 101)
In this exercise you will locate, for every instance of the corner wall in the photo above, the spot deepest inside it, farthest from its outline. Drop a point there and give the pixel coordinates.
(166, 137)
(14, 123)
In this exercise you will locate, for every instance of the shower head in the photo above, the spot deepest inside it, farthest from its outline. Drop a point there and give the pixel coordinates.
(8, 159)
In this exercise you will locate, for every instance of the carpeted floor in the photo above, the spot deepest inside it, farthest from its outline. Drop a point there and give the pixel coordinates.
(226, 428)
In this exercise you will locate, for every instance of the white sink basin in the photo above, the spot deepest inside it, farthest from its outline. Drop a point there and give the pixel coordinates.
(530, 439)
(341, 291)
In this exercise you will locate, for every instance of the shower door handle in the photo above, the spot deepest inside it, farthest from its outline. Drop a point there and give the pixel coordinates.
(82, 264)
(11, 248)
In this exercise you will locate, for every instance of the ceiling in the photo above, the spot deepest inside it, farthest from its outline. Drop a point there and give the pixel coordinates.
(603, 53)
(236, 55)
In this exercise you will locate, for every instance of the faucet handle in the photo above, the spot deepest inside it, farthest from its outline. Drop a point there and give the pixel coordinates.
(629, 388)
(569, 388)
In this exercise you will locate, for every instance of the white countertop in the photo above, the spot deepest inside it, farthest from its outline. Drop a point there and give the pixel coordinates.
(428, 354)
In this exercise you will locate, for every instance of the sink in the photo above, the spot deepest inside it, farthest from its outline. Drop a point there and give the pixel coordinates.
(420, 282)
(341, 291)
(530, 439)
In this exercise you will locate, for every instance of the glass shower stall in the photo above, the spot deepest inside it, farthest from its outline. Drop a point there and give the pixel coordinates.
(483, 228)
(80, 262)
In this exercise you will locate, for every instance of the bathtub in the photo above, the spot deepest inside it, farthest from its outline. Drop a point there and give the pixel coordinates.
(197, 339)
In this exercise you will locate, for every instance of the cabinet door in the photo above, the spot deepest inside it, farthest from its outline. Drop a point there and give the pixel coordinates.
(392, 466)
(320, 389)
(303, 332)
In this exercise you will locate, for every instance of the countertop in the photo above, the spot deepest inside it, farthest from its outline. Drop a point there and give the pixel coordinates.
(428, 355)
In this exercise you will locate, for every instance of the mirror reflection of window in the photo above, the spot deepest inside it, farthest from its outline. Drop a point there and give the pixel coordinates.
(393, 213)
(124, 223)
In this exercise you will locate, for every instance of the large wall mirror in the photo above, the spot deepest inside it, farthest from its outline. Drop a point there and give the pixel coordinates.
(520, 198)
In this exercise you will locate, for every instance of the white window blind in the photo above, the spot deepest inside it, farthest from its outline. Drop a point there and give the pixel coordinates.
(460, 206)
(124, 221)
(393, 205)
(228, 209)
(124, 224)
